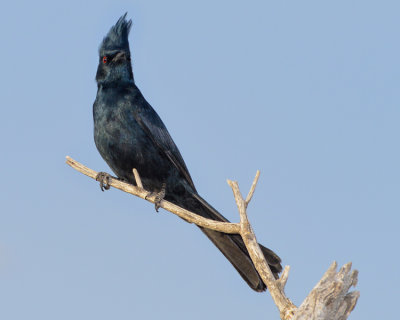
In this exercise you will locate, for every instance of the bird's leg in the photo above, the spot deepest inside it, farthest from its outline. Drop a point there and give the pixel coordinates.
(104, 179)
(159, 196)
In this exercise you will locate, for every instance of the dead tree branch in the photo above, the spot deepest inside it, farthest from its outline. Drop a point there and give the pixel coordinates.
(190, 217)
(328, 300)
(276, 287)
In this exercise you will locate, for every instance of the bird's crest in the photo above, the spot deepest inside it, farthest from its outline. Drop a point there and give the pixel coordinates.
(117, 37)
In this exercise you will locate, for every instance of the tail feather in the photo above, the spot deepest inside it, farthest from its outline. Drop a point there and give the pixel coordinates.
(232, 246)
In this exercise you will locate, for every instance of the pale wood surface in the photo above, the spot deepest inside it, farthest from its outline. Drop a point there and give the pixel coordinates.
(328, 300)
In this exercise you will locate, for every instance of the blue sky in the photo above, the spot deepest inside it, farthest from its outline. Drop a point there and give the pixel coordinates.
(307, 92)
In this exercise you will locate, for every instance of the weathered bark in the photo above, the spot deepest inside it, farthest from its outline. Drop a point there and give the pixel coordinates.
(328, 300)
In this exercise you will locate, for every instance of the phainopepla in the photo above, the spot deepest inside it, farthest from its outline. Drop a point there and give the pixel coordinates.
(130, 134)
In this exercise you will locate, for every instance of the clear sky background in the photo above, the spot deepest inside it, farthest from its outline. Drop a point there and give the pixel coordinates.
(305, 91)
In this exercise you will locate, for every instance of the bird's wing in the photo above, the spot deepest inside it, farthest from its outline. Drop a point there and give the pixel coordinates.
(152, 124)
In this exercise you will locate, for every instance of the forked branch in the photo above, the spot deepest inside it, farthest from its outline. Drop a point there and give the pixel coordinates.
(276, 287)
(329, 299)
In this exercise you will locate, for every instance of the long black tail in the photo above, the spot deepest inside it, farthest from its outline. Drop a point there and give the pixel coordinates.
(231, 245)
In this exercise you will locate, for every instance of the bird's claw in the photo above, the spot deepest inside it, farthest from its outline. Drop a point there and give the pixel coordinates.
(104, 179)
(159, 196)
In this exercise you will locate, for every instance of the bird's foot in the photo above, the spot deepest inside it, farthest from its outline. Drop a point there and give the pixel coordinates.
(104, 179)
(159, 197)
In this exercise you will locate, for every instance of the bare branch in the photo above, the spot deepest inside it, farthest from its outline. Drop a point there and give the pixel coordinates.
(253, 188)
(283, 279)
(239, 201)
(137, 178)
(329, 299)
(190, 217)
(285, 306)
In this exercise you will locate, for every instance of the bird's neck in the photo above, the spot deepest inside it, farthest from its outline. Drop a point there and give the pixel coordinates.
(116, 83)
(119, 76)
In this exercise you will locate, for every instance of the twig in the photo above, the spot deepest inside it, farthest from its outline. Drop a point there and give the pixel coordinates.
(284, 276)
(137, 179)
(253, 188)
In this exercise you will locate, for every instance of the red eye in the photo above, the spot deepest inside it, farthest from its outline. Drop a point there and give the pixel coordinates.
(104, 59)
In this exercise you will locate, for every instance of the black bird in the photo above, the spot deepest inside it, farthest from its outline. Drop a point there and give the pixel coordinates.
(129, 134)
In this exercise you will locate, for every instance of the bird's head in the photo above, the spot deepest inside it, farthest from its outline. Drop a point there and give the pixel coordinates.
(115, 57)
